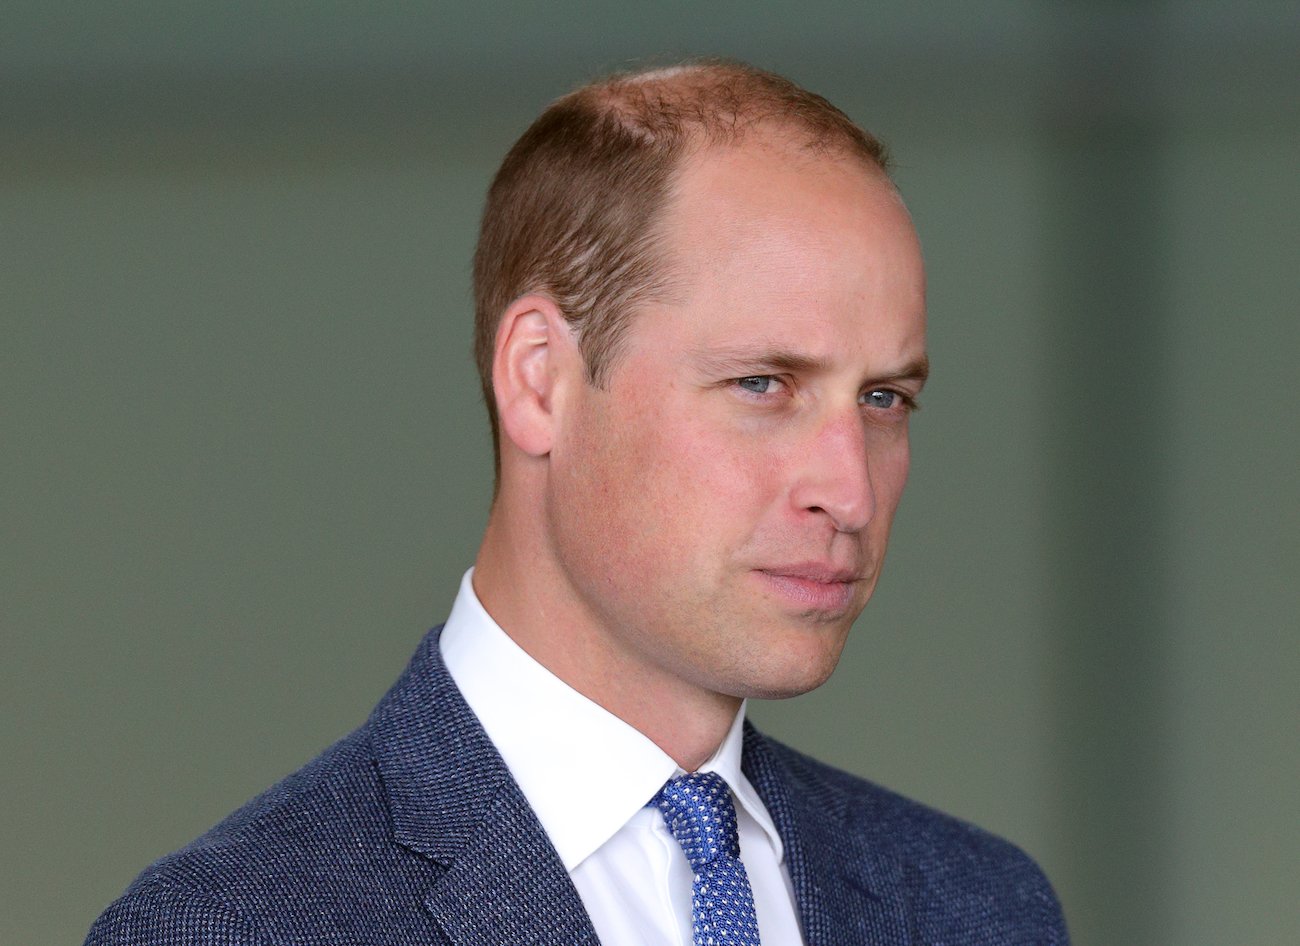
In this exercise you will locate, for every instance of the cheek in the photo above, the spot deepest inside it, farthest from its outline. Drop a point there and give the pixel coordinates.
(700, 487)
(889, 476)
(627, 472)
(663, 481)
(720, 473)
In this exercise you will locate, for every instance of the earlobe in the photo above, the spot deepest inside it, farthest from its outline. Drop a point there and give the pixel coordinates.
(532, 350)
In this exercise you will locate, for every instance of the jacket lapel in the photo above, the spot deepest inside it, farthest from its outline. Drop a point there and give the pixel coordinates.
(847, 891)
(507, 885)
(452, 799)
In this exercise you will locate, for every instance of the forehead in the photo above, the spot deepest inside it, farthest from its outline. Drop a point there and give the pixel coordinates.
(767, 238)
(721, 195)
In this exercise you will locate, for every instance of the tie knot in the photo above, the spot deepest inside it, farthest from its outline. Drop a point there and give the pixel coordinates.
(698, 811)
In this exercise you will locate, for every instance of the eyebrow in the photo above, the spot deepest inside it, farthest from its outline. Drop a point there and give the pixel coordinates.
(745, 362)
(917, 370)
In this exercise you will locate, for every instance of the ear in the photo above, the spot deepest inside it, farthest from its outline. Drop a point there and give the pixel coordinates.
(535, 353)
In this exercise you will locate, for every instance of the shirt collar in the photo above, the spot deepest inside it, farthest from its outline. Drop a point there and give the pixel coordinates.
(552, 736)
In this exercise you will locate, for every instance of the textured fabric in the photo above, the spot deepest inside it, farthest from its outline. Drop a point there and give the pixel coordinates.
(629, 870)
(410, 832)
(697, 809)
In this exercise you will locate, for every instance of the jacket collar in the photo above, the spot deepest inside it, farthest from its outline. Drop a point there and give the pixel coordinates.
(452, 799)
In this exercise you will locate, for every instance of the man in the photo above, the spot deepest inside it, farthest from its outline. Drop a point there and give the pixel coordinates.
(700, 328)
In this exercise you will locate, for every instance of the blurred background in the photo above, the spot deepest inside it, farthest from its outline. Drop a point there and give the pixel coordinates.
(244, 459)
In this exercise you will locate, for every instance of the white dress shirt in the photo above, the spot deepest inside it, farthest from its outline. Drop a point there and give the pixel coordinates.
(629, 870)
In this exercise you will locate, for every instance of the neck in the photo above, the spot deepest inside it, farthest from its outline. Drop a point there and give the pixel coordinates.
(527, 596)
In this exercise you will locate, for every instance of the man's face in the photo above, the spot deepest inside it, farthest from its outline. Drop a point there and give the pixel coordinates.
(721, 508)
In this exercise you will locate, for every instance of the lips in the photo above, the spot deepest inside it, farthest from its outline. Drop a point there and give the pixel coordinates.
(812, 585)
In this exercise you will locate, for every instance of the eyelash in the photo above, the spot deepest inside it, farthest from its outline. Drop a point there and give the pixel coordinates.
(909, 403)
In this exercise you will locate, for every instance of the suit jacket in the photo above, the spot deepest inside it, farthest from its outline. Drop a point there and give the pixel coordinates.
(412, 831)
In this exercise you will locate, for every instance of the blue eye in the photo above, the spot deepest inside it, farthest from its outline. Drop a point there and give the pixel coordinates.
(882, 400)
(757, 384)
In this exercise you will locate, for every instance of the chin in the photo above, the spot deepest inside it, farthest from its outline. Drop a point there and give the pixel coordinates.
(780, 680)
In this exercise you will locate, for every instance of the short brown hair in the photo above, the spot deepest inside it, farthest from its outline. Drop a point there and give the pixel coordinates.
(573, 209)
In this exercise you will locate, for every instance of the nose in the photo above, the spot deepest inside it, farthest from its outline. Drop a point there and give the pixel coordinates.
(834, 474)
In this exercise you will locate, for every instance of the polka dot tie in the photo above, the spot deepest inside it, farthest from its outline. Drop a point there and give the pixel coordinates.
(698, 811)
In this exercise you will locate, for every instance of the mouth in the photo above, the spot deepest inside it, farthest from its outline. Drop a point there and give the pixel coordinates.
(812, 586)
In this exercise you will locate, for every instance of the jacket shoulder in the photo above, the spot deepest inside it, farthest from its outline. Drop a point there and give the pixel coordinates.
(962, 883)
(283, 857)
(157, 913)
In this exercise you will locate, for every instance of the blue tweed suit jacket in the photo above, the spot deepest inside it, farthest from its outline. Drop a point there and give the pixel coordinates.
(411, 831)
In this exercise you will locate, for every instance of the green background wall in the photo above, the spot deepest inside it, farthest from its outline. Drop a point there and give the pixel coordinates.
(244, 461)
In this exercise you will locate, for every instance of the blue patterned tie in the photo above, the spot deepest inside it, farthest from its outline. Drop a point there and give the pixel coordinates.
(698, 811)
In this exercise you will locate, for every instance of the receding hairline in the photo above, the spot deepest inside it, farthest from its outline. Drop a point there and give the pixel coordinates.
(714, 105)
(706, 102)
